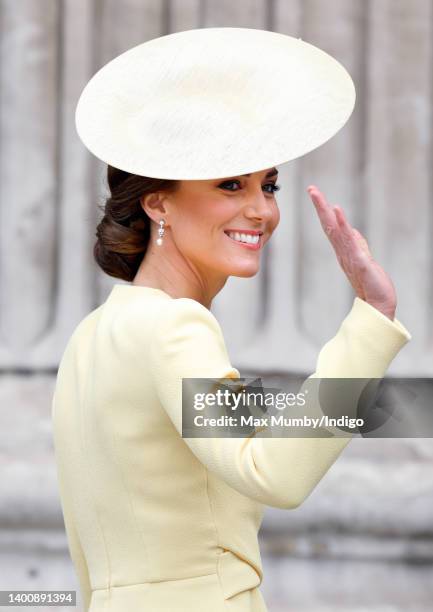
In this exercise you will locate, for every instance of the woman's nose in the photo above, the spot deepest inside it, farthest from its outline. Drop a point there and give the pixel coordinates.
(259, 207)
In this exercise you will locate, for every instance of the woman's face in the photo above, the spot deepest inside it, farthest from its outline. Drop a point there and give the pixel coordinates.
(205, 211)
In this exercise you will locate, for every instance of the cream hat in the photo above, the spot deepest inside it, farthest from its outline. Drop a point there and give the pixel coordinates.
(212, 103)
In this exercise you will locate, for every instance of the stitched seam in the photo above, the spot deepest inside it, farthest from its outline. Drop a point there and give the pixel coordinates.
(153, 339)
(217, 535)
(157, 321)
(132, 584)
(126, 488)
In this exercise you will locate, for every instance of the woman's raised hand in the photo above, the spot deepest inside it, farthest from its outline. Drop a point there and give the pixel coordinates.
(370, 282)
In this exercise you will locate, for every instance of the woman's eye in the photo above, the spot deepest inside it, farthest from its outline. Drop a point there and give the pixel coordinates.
(274, 187)
(224, 185)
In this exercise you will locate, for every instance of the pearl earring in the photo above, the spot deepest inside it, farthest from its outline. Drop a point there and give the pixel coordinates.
(160, 232)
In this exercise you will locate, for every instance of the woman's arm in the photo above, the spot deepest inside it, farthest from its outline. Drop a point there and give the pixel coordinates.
(281, 472)
(188, 343)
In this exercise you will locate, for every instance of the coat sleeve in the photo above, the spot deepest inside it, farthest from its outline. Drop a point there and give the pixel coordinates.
(279, 472)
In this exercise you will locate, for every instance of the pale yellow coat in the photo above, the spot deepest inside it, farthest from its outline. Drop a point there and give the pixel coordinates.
(156, 522)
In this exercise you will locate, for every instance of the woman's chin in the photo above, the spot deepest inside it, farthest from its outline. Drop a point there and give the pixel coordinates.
(245, 271)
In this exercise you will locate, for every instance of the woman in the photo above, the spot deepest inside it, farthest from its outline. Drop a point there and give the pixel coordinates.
(156, 521)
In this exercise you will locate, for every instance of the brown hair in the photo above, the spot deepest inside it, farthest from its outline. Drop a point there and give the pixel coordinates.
(123, 232)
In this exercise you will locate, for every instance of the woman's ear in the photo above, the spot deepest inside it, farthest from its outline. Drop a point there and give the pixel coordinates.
(153, 205)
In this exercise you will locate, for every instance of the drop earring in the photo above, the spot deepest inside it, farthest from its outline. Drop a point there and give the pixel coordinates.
(160, 232)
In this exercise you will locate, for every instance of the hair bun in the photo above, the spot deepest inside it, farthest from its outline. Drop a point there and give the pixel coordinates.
(123, 232)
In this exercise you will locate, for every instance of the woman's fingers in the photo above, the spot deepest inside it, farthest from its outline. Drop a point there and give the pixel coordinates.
(333, 223)
(362, 242)
(349, 245)
(358, 244)
(326, 214)
(347, 231)
(333, 218)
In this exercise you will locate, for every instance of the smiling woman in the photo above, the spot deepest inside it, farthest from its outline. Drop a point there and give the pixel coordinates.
(199, 216)
(196, 215)
(157, 521)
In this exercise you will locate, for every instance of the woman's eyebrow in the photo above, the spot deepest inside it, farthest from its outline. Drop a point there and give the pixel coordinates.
(272, 172)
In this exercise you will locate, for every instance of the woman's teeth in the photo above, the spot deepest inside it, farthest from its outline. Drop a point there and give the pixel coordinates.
(244, 237)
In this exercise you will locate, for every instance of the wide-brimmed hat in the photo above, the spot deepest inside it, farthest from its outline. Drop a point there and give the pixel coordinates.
(213, 102)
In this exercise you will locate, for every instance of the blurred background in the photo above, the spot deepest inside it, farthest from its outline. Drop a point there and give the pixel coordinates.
(363, 540)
